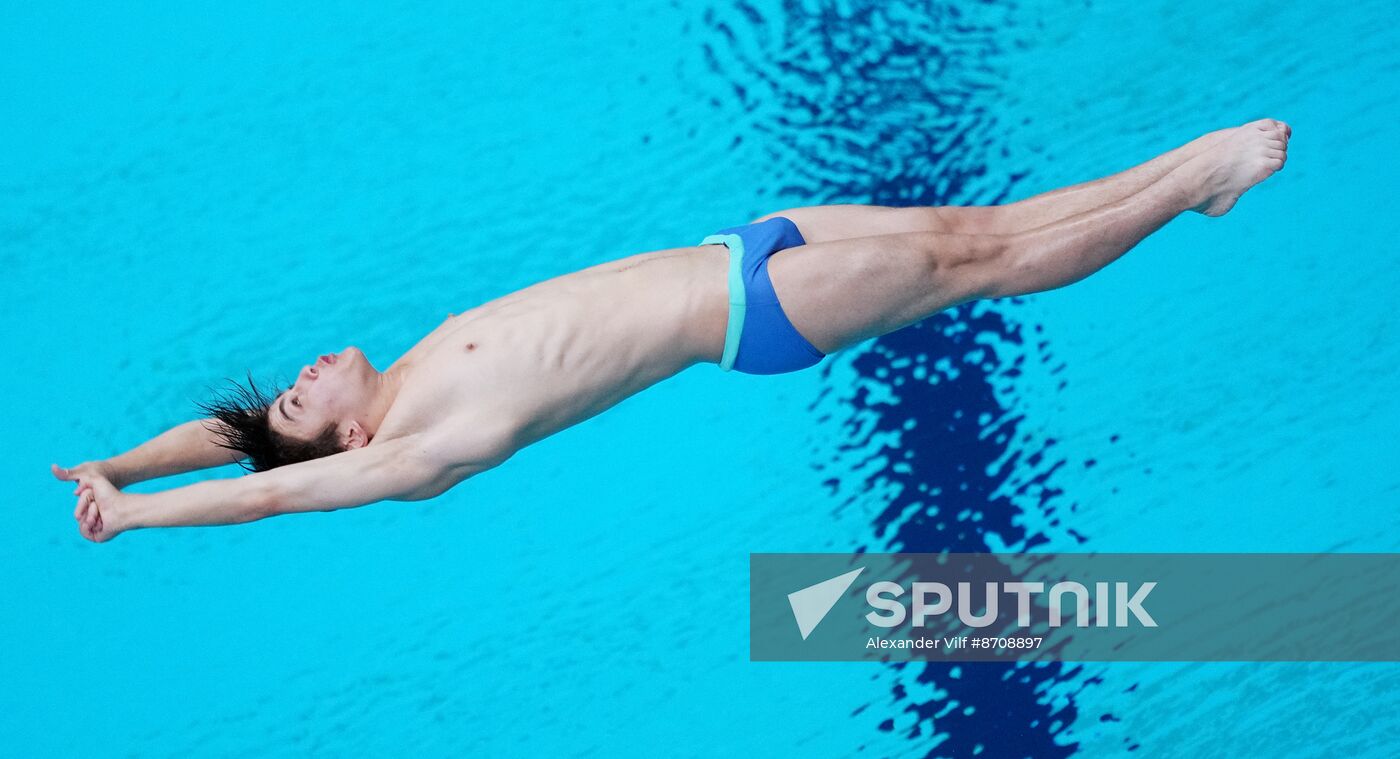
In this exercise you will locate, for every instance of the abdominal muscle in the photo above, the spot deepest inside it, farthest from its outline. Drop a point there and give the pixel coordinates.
(549, 356)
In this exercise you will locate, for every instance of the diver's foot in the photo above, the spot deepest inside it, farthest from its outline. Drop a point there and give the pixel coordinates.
(1243, 158)
(1210, 139)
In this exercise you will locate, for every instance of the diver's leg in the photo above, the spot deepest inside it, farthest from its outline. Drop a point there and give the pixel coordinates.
(840, 222)
(840, 292)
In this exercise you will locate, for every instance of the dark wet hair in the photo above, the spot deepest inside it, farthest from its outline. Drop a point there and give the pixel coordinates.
(240, 420)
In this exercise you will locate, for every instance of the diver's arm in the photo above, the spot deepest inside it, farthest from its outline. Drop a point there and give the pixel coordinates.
(399, 469)
(183, 448)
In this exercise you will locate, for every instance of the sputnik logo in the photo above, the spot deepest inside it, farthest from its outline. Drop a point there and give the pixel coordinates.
(811, 604)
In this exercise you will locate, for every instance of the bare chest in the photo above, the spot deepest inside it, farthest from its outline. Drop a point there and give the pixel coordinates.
(550, 355)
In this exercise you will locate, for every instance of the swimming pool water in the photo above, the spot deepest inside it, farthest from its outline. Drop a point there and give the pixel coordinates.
(190, 192)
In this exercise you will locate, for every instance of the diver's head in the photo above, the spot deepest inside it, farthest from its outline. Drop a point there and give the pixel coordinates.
(325, 411)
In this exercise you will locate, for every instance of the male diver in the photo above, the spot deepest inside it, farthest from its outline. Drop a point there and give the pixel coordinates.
(772, 296)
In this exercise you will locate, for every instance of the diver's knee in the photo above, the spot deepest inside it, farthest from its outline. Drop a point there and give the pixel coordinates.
(970, 266)
(1013, 266)
(973, 220)
(936, 271)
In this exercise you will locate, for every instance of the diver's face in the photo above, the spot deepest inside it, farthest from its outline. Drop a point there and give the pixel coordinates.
(336, 388)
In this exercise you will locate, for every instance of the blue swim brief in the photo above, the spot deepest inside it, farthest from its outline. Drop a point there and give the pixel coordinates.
(760, 339)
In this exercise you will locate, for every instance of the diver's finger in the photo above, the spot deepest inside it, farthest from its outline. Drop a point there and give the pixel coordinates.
(81, 509)
(91, 516)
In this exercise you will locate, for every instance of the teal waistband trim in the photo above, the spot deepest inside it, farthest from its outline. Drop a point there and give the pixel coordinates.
(737, 302)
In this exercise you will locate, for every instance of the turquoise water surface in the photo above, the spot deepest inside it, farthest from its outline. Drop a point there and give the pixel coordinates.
(187, 193)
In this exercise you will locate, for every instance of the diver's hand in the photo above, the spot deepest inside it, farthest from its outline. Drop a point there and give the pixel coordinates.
(102, 510)
(102, 469)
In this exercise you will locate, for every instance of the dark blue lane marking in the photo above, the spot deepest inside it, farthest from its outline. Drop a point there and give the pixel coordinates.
(936, 392)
